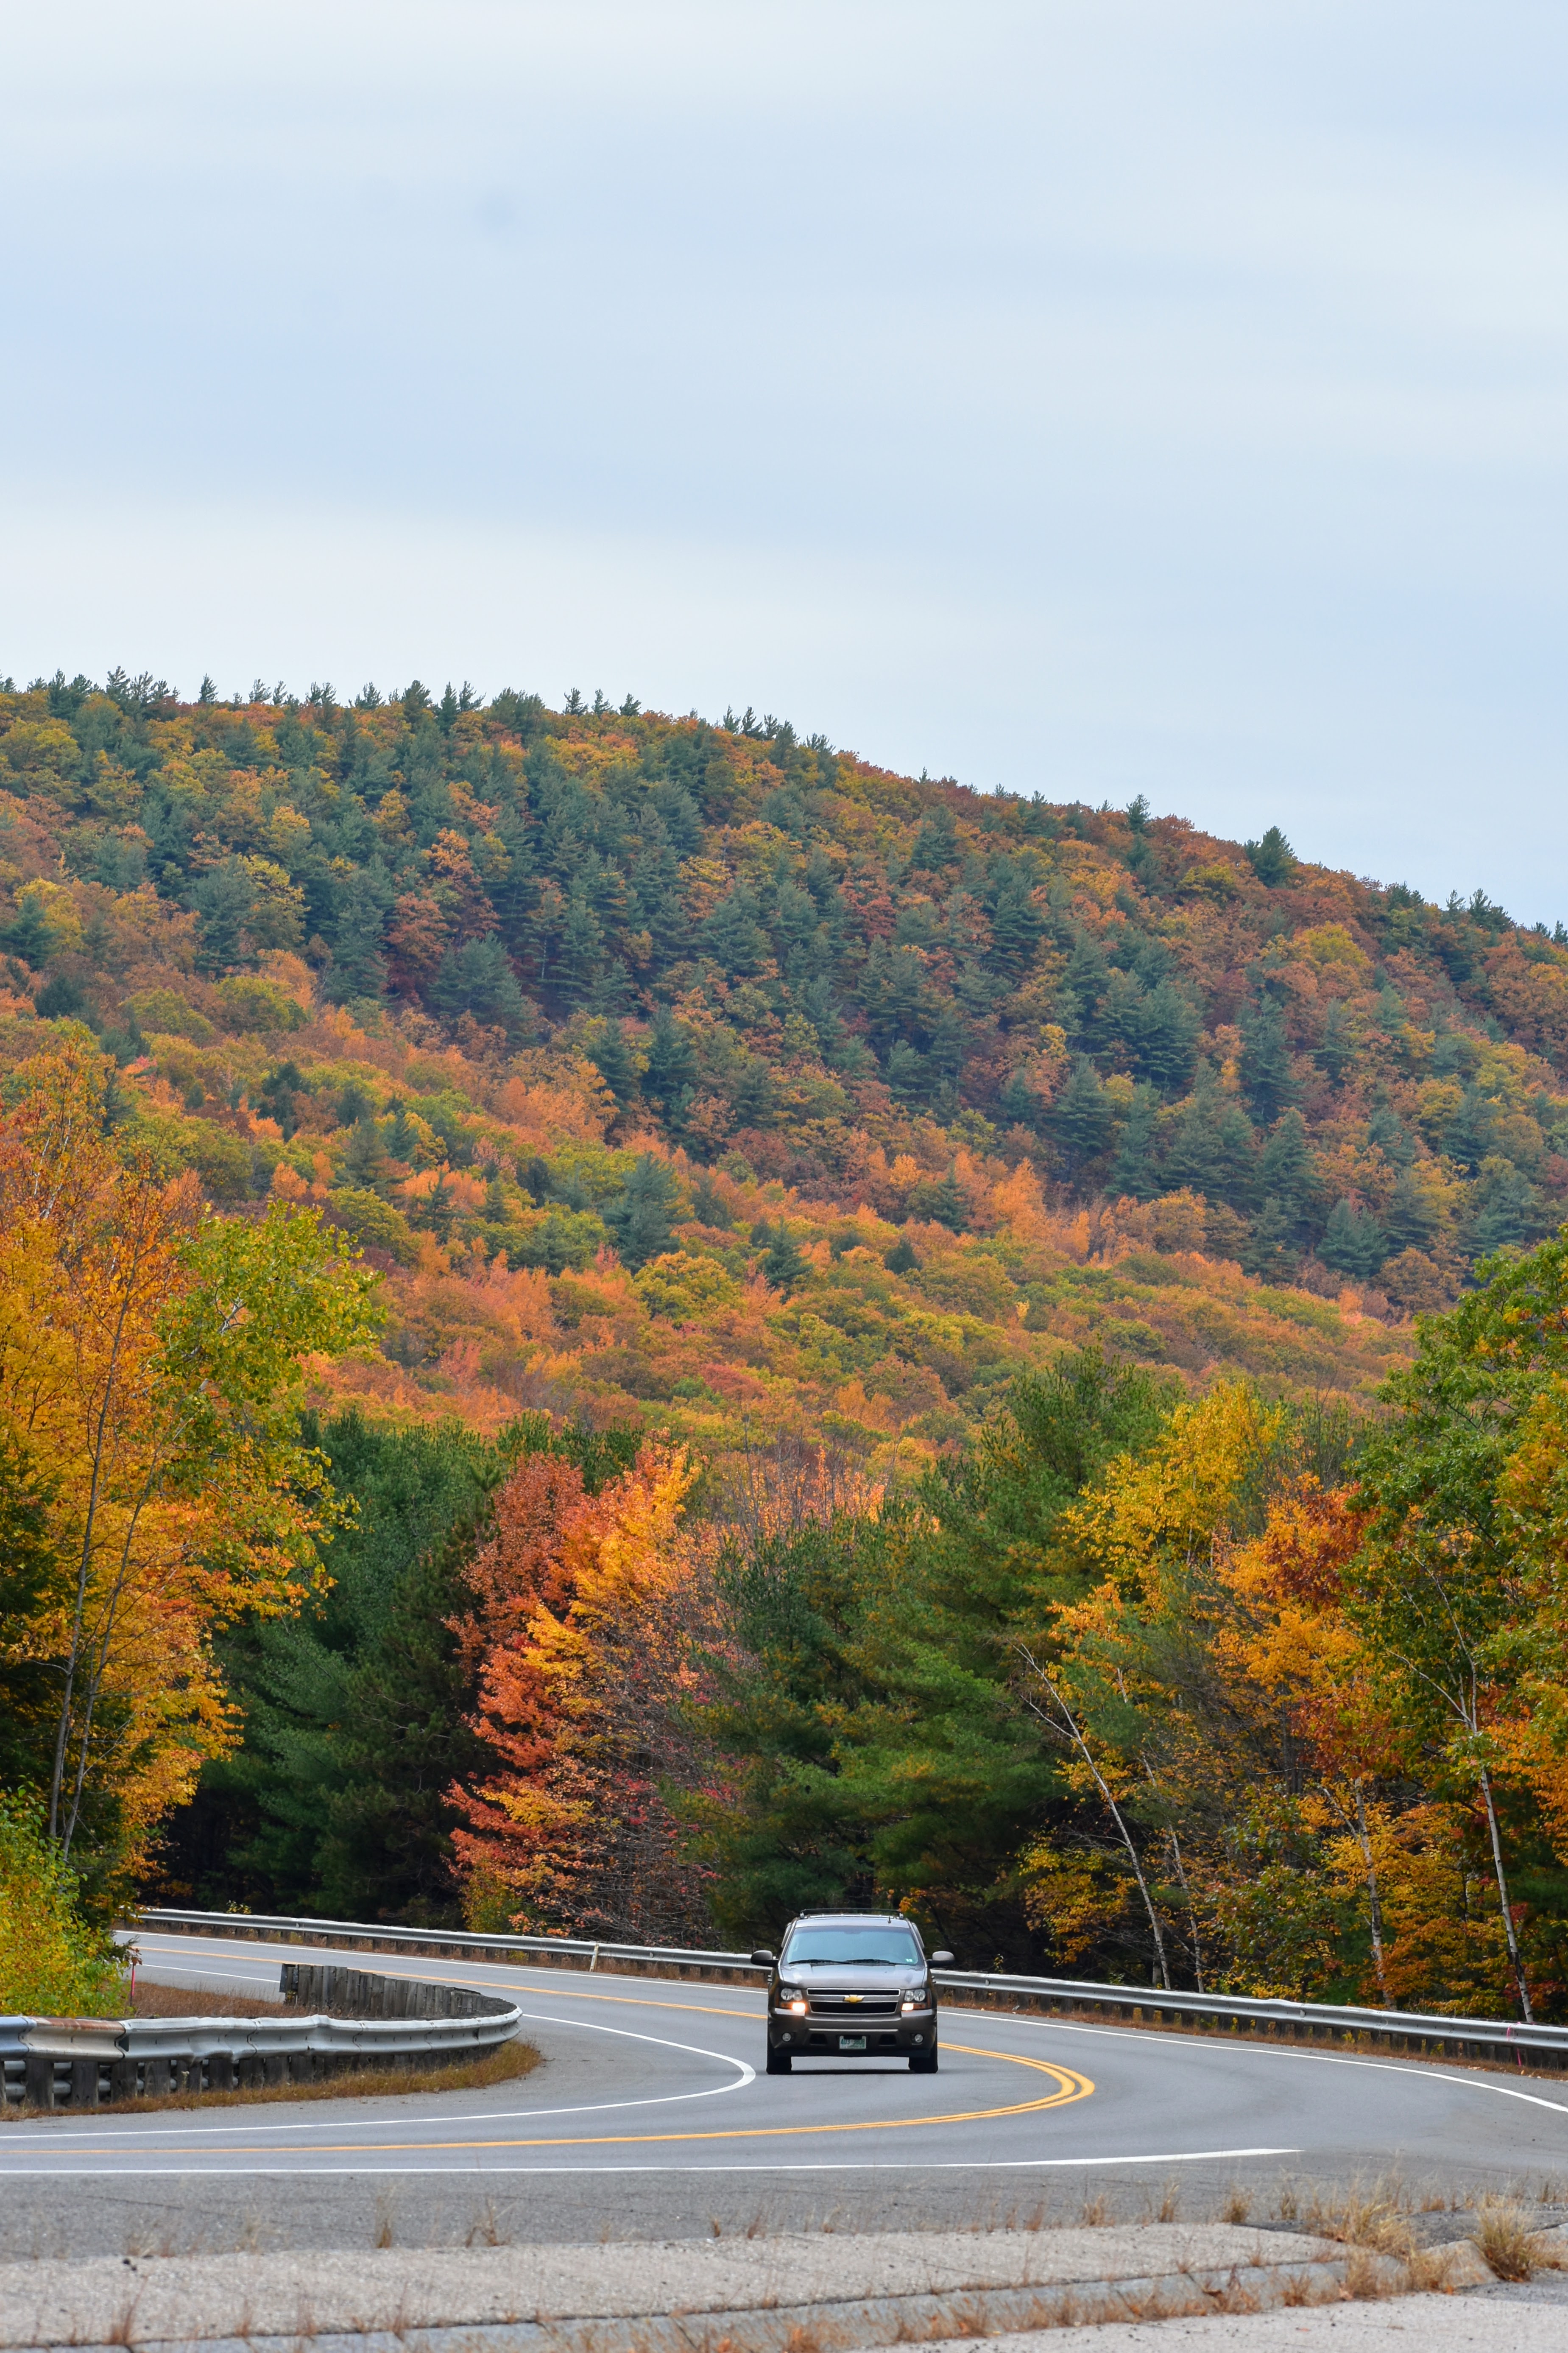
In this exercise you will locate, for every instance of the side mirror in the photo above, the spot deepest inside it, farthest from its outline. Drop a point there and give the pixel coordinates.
(763, 1958)
(941, 1960)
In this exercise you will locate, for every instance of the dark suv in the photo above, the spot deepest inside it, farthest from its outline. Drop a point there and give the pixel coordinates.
(852, 1985)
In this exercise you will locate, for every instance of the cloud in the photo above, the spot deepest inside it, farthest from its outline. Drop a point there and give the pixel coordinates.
(1099, 397)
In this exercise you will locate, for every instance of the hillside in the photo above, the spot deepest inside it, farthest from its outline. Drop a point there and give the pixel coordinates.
(704, 1074)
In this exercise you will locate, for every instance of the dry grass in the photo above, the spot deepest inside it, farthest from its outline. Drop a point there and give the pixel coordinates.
(179, 2001)
(1376, 2219)
(1509, 2243)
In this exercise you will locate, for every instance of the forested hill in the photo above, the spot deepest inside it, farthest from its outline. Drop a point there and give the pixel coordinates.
(711, 1066)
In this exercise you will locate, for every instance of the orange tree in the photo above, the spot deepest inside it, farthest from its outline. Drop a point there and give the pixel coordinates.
(594, 1628)
(151, 1378)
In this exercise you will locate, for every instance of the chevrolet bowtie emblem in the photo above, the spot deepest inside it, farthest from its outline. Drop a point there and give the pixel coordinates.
(853, 1997)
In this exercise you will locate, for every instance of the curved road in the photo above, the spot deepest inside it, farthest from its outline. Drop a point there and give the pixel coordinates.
(651, 2118)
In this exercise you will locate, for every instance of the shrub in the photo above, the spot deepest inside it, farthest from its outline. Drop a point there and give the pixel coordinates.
(163, 1012)
(52, 1963)
(250, 1003)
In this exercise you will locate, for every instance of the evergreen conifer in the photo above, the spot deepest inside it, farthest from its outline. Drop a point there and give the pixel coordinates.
(641, 1220)
(611, 1058)
(1132, 1172)
(1266, 1071)
(1353, 1242)
(782, 1264)
(1080, 1119)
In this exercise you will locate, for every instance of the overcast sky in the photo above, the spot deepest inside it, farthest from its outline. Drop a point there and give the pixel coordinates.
(1090, 397)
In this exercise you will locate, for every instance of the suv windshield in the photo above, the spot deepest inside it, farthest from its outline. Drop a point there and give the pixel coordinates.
(871, 1946)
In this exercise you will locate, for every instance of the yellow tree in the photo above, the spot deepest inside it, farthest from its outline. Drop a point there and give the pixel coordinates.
(150, 1382)
(1172, 1686)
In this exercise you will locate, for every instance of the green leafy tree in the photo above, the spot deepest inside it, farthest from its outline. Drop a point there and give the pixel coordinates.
(1441, 1595)
(880, 1751)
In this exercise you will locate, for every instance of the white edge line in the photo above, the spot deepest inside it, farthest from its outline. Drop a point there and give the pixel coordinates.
(136, 2134)
(475, 2171)
(1420, 2069)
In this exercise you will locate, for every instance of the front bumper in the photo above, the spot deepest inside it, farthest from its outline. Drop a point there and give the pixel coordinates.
(815, 2036)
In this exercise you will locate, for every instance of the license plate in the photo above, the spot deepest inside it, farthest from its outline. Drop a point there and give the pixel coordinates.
(851, 2042)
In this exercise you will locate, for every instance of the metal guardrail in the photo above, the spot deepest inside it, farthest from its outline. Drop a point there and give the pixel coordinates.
(83, 2062)
(1408, 2031)
(470, 1943)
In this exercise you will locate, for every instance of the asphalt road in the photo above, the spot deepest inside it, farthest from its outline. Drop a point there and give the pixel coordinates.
(651, 2118)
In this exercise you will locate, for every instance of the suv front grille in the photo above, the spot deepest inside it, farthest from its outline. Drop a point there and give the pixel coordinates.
(834, 2004)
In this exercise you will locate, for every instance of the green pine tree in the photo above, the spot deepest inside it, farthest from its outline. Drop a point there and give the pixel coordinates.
(1286, 1170)
(1267, 1252)
(1265, 1072)
(1336, 1049)
(1080, 1119)
(782, 1265)
(1412, 1219)
(29, 936)
(1133, 1172)
(611, 1057)
(1272, 859)
(365, 1159)
(670, 1078)
(1353, 1242)
(1510, 1208)
(949, 1204)
(641, 1220)
(1018, 1104)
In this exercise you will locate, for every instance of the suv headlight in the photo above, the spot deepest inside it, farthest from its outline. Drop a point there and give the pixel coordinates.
(793, 1997)
(917, 1997)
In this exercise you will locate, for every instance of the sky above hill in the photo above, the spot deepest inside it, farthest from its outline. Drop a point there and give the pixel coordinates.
(1087, 397)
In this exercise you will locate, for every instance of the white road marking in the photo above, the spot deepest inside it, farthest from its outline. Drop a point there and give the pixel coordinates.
(134, 2132)
(828, 2165)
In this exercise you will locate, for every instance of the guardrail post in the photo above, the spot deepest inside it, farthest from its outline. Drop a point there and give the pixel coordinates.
(38, 2081)
(84, 2083)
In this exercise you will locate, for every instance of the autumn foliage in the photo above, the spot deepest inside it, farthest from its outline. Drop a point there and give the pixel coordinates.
(894, 1369)
(151, 1468)
(591, 1627)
